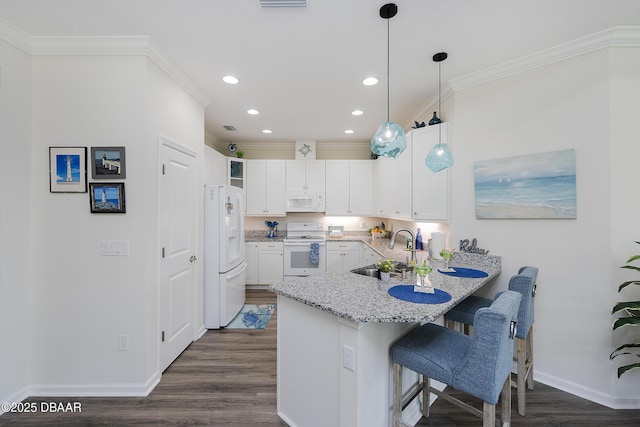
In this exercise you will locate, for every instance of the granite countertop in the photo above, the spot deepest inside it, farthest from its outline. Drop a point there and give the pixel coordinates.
(365, 299)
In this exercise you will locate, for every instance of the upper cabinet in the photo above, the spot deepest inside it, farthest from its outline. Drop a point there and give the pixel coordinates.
(349, 187)
(430, 190)
(306, 175)
(266, 187)
(236, 172)
(393, 185)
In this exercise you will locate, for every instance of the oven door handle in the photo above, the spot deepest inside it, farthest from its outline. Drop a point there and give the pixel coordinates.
(301, 243)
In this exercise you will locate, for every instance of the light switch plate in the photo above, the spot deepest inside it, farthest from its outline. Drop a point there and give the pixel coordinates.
(115, 248)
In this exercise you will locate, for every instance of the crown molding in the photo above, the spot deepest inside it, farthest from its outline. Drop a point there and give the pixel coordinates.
(102, 46)
(15, 36)
(621, 36)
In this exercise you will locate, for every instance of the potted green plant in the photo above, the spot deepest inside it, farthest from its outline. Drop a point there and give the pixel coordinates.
(631, 317)
(240, 154)
(385, 266)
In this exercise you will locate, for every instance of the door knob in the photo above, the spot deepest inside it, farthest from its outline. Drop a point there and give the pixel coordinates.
(193, 258)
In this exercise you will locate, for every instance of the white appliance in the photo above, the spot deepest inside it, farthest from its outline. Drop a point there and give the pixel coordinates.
(305, 201)
(224, 262)
(298, 250)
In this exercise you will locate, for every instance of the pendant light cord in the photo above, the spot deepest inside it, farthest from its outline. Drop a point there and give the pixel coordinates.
(388, 68)
(440, 102)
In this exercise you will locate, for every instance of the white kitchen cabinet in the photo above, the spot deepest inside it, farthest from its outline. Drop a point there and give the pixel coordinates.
(393, 181)
(349, 187)
(430, 190)
(251, 257)
(342, 256)
(306, 175)
(236, 172)
(266, 187)
(270, 262)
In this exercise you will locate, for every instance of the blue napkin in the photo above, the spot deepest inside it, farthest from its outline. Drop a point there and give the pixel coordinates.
(315, 253)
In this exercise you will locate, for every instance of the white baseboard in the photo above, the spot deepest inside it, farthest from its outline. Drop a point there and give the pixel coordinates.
(16, 397)
(596, 396)
(94, 390)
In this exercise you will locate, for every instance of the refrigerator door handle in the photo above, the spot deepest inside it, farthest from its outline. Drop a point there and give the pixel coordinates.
(237, 273)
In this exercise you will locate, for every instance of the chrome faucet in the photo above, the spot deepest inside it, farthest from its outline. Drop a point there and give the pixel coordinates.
(413, 249)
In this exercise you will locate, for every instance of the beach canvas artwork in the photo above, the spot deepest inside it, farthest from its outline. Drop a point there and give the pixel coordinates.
(531, 186)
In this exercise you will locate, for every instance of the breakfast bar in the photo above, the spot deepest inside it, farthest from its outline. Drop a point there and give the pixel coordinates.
(334, 335)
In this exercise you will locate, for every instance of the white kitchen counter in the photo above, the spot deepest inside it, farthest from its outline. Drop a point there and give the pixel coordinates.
(334, 336)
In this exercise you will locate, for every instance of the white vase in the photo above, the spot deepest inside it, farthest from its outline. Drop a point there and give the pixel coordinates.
(384, 276)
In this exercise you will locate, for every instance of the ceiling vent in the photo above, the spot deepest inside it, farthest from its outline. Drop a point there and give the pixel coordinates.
(272, 4)
(229, 128)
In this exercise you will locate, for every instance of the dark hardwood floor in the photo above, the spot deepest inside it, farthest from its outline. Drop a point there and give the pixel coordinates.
(228, 378)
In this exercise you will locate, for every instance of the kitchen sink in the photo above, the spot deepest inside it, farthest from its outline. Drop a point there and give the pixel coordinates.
(371, 271)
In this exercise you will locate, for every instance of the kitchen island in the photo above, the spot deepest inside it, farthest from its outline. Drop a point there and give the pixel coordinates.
(334, 336)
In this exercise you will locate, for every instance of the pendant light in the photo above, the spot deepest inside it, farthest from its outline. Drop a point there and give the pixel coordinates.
(389, 140)
(440, 157)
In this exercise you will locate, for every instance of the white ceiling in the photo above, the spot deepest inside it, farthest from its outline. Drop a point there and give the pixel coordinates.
(302, 69)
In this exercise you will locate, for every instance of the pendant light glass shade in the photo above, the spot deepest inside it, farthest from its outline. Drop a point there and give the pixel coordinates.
(440, 156)
(389, 140)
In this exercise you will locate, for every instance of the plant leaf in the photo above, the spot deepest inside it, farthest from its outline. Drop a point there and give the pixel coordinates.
(628, 305)
(623, 369)
(623, 321)
(625, 284)
(633, 258)
(623, 346)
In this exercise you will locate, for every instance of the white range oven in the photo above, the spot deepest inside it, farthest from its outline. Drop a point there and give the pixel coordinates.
(304, 250)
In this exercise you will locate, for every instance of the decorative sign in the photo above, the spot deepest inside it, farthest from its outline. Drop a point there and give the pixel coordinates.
(470, 247)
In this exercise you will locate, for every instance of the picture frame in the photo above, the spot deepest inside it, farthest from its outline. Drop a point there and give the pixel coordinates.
(67, 169)
(531, 186)
(107, 197)
(108, 163)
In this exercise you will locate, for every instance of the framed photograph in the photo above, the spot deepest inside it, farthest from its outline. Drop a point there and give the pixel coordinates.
(108, 163)
(68, 169)
(107, 197)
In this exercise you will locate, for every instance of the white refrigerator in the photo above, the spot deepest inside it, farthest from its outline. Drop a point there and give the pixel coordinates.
(224, 262)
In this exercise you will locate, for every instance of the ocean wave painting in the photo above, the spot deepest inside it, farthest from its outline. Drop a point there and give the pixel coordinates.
(531, 186)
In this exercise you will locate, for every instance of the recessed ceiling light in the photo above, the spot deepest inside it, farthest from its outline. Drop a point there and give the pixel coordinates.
(349, 131)
(266, 130)
(370, 81)
(357, 112)
(230, 79)
(253, 112)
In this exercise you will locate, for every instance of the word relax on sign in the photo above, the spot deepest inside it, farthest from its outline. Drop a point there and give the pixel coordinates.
(465, 247)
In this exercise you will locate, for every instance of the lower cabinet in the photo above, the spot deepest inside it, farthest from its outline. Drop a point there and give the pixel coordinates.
(265, 262)
(342, 256)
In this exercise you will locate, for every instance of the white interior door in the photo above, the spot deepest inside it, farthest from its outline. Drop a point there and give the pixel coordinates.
(178, 182)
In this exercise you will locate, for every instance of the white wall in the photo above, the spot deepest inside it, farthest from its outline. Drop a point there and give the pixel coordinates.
(15, 224)
(215, 166)
(81, 300)
(568, 104)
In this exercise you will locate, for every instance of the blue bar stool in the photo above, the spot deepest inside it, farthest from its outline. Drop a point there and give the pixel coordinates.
(479, 365)
(525, 283)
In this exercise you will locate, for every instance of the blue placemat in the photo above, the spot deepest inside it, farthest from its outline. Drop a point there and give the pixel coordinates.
(405, 293)
(465, 272)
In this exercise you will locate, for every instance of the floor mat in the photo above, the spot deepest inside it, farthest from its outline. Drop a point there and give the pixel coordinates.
(252, 316)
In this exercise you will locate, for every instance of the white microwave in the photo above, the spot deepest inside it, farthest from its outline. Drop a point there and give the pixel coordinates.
(310, 201)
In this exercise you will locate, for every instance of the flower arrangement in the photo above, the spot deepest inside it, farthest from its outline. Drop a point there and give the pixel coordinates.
(386, 265)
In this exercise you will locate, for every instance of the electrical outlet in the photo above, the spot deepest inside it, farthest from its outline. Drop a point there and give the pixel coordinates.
(348, 357)
(123, 342)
